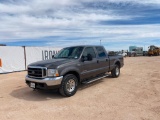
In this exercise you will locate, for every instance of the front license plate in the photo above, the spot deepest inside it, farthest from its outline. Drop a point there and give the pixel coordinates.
(32, 85)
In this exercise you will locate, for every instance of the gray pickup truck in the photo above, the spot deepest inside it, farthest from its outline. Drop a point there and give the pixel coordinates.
(71, 67)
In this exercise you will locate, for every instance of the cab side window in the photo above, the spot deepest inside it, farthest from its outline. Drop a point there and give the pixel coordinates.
(101, 52)
(89, 50)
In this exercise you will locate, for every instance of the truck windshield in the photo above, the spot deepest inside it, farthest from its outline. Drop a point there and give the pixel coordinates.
(70, 52)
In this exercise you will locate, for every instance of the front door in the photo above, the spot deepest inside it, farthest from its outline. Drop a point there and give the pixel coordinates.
(89, 68)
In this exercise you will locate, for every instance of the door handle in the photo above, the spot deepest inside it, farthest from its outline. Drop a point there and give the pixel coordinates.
(106, 60)
(97, 61)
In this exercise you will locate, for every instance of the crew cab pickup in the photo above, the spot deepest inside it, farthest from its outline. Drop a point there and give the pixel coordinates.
(72, 66)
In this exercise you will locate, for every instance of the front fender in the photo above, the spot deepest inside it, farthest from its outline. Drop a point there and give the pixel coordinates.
(69, 69)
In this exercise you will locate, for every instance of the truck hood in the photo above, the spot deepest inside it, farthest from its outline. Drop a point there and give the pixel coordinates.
(53, 63)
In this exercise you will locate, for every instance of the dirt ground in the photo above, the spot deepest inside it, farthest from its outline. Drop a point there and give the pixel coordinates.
(135, 95)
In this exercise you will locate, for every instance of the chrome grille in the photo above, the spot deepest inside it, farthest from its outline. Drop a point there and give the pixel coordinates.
(37, 72)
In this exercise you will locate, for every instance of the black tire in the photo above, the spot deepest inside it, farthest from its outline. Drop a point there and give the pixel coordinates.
(69, 85)
(116, 71)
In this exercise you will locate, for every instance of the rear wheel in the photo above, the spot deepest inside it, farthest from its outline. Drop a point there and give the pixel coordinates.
(116, 71)
(69, 85)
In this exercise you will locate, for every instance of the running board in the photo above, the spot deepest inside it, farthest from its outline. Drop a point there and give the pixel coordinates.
(94, 79)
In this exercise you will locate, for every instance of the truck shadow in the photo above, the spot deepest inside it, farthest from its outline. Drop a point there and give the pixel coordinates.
(85, 86)
(35, 95)
(29, 94)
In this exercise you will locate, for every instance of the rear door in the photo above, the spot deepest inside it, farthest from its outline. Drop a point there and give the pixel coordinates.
(102, 59)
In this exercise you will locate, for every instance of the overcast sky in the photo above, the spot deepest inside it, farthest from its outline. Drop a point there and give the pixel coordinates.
(60, 23)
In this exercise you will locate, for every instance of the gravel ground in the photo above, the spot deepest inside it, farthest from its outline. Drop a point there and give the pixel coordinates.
(135, 95)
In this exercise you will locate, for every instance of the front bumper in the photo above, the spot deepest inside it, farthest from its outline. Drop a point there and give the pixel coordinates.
(44, 82)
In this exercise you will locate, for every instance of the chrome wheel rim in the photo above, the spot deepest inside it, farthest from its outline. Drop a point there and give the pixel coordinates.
(117, 71)
(70, 86)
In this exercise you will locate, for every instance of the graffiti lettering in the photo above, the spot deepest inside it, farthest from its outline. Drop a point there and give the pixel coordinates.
(46, 55)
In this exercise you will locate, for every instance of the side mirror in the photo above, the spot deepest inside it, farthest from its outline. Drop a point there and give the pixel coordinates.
(83, 59)
(52, 56)
(89, 57)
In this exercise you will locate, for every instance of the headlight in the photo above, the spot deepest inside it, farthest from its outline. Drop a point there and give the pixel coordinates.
(53, 72)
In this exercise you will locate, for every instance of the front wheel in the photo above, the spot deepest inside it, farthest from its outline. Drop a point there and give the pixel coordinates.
(69, 85)
(116, 71)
